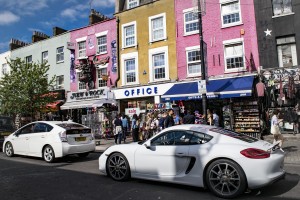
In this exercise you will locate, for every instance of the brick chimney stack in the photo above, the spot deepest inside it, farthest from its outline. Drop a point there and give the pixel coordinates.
(15, 44)
(38, 36)
(58, 31)
(96, 17)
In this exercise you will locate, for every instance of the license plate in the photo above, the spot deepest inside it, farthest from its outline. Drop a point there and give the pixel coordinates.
(79, 139)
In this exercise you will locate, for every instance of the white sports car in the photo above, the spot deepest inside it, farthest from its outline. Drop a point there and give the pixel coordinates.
(224, 161)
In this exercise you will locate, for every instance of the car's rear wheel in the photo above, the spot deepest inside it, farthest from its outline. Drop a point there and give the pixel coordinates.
(83, 155)
(9, 150)
(225, 178)
(48, 154)
(118, 167)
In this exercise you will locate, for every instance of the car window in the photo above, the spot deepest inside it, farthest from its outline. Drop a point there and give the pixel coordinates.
(27, 129)
(70, 125)
(200, 138)
(180, 137)
(42, 127)
(235, 135)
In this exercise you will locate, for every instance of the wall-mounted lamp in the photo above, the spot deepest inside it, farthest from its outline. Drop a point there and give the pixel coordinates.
(144, 73)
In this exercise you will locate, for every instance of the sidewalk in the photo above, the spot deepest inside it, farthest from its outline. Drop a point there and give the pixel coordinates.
(291, 146)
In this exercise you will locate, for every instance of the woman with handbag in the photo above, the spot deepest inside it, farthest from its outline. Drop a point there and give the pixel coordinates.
(278, 138)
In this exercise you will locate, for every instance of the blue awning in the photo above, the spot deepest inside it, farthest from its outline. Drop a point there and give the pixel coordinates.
(221, 88)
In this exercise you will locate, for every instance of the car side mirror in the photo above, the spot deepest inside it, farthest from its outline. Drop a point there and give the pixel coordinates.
(147, 144)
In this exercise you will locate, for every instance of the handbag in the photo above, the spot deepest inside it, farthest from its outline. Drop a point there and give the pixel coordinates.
(275, 129)
(118, 130)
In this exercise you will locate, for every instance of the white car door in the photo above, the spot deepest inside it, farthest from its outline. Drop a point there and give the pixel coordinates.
(20, 140)
(38, 138)
(167, 156)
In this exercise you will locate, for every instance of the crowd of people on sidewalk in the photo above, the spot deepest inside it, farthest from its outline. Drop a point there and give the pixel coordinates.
(155, 122)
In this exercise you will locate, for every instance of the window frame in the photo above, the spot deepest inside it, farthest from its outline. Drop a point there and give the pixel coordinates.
(151, 35)
(187, 11)
(124, 37)
(125, 57)
(80, 84)
(282, 14)
(27, 58)
(187, 50)
(100, 78)
(60, 57)
(60, 86)
(293, 49)
(156, 51)
(45, 58)
(234, 42)
(226, 2)
(101, 45)
(81, 52)
(4, 69)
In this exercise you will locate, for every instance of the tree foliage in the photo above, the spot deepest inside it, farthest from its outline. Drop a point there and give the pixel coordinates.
(26, 89)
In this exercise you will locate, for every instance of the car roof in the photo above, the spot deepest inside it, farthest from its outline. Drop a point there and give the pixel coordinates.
(193, 127)
(55, 122)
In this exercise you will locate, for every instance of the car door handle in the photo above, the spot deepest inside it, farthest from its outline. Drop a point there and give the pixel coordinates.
(27, 138)
(42, 136)
(180, 154)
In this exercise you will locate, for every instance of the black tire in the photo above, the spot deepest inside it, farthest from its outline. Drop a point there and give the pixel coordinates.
(9, 150)
(117, 167)
(225, 178)
(48, 154)
(83, 155)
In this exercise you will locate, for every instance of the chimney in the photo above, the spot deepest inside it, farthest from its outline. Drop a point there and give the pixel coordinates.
(96, 17)
(15, 44)
(38, 36)
(58, 31)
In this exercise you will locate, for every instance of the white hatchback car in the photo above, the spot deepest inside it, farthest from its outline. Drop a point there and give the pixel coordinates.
(50, 140)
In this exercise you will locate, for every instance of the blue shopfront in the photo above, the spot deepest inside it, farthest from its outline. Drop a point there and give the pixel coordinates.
(233, 99)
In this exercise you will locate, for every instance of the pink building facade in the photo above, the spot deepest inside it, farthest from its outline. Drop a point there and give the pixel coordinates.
(229, 30)
(94, 46)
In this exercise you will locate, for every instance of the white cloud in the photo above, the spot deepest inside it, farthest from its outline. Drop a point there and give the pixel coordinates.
(7, 18)
(4, 46)
(26, 7)
(103, 3)
(78, 11)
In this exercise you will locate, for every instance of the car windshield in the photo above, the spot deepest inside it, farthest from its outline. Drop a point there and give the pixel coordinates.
(70, 125)
(235, 135)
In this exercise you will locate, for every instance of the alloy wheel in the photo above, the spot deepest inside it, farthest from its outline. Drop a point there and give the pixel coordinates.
(48, 154)
(118, 167)
(9, 149)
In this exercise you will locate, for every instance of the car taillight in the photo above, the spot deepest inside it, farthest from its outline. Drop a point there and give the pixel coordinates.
(255, 153)
(63, 136)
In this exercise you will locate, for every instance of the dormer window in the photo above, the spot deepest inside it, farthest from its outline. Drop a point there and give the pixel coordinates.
(132, 3)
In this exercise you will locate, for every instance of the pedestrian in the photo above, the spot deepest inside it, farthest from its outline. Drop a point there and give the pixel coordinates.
(125, 127)
(147, 133)
(161, 120)
(189, 118)
(169, 121)
(154, 124)
(209, 118)
(117, 123)
(216, 119)
(278, 138)
(135, 128)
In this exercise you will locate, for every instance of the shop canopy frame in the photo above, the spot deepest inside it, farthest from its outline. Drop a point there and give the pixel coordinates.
(87, 104)
(219, 88)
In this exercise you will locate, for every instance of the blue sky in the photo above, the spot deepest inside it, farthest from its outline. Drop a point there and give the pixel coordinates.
(19, 18)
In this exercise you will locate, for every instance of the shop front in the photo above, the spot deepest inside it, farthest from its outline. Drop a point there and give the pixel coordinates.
(93, 108)
(232, 99)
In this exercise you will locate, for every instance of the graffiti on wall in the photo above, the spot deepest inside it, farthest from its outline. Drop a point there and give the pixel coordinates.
(114, 56)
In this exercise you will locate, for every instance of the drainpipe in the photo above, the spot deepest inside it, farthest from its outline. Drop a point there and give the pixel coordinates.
(118, 52)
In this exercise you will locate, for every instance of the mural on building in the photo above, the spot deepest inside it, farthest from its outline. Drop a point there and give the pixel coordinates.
(114, 56)
(72, 69)
(85, 69)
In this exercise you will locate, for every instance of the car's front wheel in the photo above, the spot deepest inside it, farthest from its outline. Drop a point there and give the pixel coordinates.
(225, 178)
(118, 167)
(48, 154)
(9, 150)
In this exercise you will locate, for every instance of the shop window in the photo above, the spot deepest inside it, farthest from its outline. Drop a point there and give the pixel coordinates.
(45, 56)
(191, 24)
(130, 68)
(234, 55)
(129, 35)
(132, 3)
(282, 7)
(81, 85)
(60, 54)
(28, 59)
(193, 62)
(230, 12)
(159, 64)
(157, 27)
(81, 49)
(102, 74)
(287, 53)
(60, 82)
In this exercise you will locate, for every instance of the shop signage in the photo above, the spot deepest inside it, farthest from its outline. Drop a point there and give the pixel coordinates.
(70, 45)
(202, 86)
(141, 91)
(87, 95)
(132, 111)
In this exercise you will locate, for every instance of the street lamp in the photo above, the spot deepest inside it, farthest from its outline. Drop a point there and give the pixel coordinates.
(203, 69)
